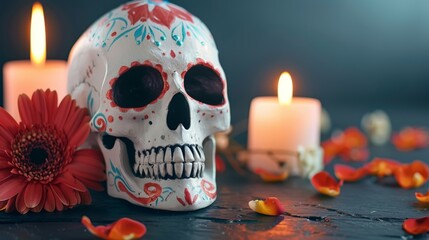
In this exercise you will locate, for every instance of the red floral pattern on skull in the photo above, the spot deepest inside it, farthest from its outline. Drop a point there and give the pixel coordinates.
(162, 14)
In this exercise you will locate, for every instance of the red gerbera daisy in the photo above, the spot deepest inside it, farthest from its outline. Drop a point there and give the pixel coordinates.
(40, 167)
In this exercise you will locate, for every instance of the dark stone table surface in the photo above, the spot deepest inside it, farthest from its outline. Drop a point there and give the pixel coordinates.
(370, 209)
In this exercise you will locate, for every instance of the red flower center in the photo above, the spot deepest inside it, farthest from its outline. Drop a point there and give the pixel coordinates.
(39, 153)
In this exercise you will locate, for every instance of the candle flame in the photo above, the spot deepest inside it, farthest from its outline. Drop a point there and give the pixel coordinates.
(38, 35)
(285, 89)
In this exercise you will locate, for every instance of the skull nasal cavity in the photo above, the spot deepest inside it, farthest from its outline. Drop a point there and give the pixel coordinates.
(178, 112)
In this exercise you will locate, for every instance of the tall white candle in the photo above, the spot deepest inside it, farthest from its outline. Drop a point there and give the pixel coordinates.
(280, 125)
(25, 77)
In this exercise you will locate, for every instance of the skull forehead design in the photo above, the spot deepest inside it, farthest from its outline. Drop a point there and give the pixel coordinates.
(149, 73)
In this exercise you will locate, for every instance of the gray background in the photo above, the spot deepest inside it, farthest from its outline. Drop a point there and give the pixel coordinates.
(372, 53)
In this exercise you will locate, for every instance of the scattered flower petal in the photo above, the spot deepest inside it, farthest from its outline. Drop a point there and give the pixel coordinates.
(124, 228)
(354, 154)
(330, 151)
(382, 167)
(350, 145)
(421, 197)
(272, 177)
(416, 226)
(352, 138)
(40, 165)
(412, 175)
(325, 184)
(411, 138)
(349, 174)
(270, 206)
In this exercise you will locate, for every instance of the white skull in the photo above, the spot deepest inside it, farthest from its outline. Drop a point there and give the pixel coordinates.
(150, 76)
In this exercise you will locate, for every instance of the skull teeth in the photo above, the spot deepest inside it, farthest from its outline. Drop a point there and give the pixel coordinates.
(172, 162)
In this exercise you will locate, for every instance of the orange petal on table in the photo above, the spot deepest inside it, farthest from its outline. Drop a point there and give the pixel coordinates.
(270, 206)
(326, 184)
(411, 138)
(349, 174)
(124, 228)
(355, 154)
(412, 175)
(352, 137)
(351, 145)
(330, 150)
(272, 177)
(416, 226)
(382, 167)
(421, 197)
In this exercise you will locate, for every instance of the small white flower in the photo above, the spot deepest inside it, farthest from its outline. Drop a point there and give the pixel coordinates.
(377, 126)
(310, 160)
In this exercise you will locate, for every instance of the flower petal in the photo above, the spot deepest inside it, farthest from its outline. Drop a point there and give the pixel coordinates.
(423, 198)
(124, 228)
(412, 175)
(6, 134)
(382, 167)
(330, 150)
(354, 138)
(272, 177)
(416, 226)
(25, 109)
(33, 194)
(50, 200)
(59, 195)
(86, 171)
(51, 104)
(270, 206)
(89, 157)
(4, 174)
(5, 141)
(325, 184)
(11, 188)
(349, 174)
(69, 194)
(10, 206)
(85, 197)
(3, 205)
(99, 231)
(8, 121)
(77, 118)
(350, 145)
(70, 181)
(94, 185)
(40, 106)
(39, 207)
(63, 111)
(80, 136)
(411, 138)
(20, 203)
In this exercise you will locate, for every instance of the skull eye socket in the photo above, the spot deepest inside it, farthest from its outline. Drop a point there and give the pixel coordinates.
(205, 85)
(137, 87)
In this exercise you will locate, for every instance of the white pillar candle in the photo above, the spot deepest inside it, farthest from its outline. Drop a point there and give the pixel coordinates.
(281, 127)
(25, 77)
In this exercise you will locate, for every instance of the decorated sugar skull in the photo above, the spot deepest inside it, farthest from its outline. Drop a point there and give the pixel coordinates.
(150, 76)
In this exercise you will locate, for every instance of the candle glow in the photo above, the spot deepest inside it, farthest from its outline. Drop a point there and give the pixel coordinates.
(38, 36)
(285, 89)
(25, 77)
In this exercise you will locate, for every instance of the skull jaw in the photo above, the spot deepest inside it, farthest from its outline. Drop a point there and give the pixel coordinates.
(173, 194)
